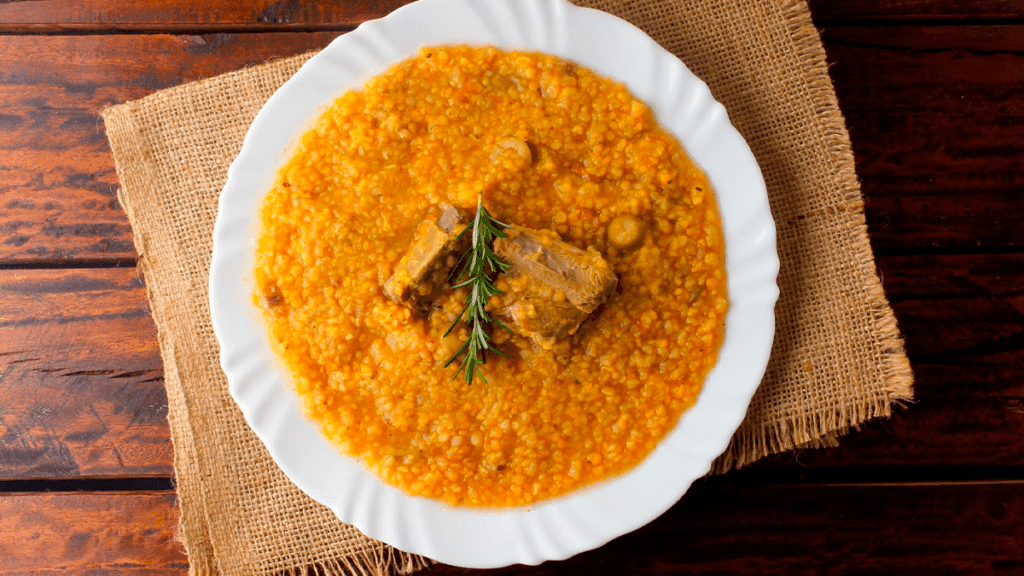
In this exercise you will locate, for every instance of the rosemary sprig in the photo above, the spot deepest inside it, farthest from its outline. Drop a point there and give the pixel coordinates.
(475, 263)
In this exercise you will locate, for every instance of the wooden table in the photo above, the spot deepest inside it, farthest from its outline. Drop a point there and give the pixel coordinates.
(933, 93)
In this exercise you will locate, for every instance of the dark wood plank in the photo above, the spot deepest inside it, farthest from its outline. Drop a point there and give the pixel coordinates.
(169, 15)
(963, 317)
(814, 529)
(952, 528)
(81, 381)
(937, 128)
(835, 11)
(57, 180)
(173, 15)
(84, 533)
(956, 306)
(968, 411)
(937, 134)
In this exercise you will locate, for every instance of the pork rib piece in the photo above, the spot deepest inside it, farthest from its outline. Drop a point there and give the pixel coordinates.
(423, 271)
(551, 287)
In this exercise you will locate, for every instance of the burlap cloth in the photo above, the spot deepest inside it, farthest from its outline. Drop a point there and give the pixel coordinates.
(837, 360)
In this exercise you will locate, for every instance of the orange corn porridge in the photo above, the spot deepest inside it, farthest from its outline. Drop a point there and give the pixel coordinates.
(440, 128)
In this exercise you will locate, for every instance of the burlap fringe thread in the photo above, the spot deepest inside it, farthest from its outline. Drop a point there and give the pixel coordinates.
(383, 561)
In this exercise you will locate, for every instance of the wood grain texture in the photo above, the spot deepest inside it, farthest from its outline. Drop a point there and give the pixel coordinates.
(937, 127)
(51, 16)
(792, 529)
(837, 11)
(81, 381)
(81, 533)
(814, 529)
(937, 131)
(968, 411)
(963, 317)
(57, 180)
(953, 307)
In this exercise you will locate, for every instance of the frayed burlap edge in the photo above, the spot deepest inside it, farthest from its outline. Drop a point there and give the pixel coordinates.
(192, 529)
(384, 560)
(816, 430)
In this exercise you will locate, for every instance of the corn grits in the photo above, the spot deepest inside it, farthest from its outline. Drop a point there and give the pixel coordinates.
(552, 146)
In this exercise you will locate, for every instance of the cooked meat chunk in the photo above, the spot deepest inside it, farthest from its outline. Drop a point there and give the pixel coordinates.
(552, 286)
(423, 271)
(537, 316)
(583, 275)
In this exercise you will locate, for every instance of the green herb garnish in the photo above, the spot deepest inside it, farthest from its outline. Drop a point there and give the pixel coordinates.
(475, 263)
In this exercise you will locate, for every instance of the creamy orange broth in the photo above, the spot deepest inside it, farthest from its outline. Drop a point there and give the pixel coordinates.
(370, 371)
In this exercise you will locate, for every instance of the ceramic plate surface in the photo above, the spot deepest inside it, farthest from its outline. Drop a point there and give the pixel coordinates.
(581, 520)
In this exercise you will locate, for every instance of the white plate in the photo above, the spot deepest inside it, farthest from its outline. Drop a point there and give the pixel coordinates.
(581, 520)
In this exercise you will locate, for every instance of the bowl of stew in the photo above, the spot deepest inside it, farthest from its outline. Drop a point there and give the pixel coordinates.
(640, 317)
